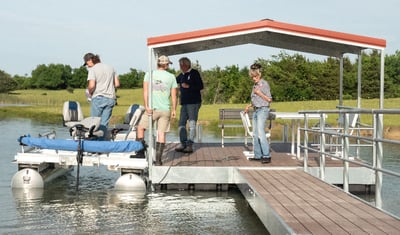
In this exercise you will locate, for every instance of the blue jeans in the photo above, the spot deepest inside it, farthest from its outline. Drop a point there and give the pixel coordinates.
(189, 112)
(261, 144)
(102, 107)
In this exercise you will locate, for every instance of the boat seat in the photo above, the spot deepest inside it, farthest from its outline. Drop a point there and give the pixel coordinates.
(127, 130)
(88, 128)
(72, 113)
(80, 127)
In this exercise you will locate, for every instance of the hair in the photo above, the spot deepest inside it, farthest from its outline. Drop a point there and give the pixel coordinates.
(90, 56)
(185, 61)
(163, 66)
(96, 59)
(255, 70)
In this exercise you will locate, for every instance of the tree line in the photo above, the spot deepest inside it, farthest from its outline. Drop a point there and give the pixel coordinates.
(291, 77)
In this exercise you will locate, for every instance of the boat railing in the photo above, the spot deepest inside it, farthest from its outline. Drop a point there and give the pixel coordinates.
(348, 140)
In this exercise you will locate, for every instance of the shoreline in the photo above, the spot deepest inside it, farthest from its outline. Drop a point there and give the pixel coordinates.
(389, 132)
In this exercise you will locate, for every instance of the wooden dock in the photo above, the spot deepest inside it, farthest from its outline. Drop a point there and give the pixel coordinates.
(285, 198)
(212, 154)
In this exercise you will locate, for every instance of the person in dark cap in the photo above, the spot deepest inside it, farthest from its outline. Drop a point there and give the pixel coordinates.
(102, 83)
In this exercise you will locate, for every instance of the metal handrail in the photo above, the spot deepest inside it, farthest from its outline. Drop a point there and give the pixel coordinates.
(343, 135)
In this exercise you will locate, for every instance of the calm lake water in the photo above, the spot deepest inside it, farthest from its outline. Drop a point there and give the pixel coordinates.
(98, 209)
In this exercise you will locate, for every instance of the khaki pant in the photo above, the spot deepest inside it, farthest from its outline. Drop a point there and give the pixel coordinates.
(162, 119)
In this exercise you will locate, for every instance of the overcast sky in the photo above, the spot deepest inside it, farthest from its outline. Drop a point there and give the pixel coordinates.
(61, 32)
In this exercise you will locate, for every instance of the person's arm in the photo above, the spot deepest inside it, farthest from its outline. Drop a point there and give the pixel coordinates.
(173, 102)
(246, 109)
(195, 82)
(91, 86)
(264, 97)
(146, 96)
(116, 81)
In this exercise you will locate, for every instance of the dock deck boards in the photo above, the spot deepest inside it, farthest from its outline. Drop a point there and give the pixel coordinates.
(305, 203)
(212, 154)
(309, 205)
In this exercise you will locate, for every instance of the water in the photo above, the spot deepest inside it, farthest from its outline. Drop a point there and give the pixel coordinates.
(97, 209)
(391, 184)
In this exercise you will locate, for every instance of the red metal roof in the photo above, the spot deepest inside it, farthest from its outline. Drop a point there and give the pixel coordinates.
(267, 33)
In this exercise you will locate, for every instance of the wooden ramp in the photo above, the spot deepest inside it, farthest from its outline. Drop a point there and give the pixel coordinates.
(285, 198)
(307, 205)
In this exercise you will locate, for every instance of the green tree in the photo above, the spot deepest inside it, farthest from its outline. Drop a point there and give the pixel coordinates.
(370, 75)
(244, 86)
(23, 82)
(212, 85)
(6, 82)
(53, 76)
(349, 79)
(78, 78)
(324, 79)
(133, 79)
(289, 77)
(392, 75)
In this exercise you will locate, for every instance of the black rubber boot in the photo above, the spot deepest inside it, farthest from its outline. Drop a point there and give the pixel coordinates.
(159, 152)
(141, 153)
(180, 148)
(188, 148)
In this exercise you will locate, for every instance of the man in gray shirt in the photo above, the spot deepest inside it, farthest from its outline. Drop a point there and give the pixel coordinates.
(102, 82)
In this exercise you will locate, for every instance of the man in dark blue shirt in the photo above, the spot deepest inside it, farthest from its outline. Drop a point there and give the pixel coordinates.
(190, 86)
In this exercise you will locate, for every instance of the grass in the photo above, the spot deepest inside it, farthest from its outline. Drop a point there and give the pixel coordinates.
(46, 106)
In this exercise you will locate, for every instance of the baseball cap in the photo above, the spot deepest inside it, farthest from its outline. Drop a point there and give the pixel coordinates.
(87, 57)
(164, 60)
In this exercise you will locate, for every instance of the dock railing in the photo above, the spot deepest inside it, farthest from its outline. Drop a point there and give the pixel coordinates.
(349, 137)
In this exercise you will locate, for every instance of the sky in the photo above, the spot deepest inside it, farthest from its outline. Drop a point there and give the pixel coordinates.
(61, 32)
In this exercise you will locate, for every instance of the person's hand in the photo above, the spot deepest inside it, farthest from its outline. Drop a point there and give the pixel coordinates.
(173, 114)
(185, 85)
(246, 110)
(149, 110)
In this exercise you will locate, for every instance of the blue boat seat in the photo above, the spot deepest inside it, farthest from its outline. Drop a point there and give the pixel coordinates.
(72, 113)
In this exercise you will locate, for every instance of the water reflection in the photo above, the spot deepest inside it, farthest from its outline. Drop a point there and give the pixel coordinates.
(125, 197)
(97, 208)
(27, 195)
(110, 211)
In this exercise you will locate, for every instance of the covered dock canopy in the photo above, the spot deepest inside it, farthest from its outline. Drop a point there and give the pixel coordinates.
(272, 34)
(266, 33)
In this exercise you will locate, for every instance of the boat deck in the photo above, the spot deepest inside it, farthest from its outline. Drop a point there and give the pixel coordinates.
(286, 199)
